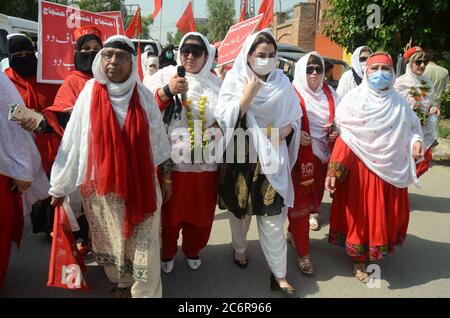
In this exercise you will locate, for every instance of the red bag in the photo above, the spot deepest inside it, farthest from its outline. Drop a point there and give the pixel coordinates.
(66, 266)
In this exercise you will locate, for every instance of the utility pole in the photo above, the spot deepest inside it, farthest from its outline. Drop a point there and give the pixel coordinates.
(160, 22)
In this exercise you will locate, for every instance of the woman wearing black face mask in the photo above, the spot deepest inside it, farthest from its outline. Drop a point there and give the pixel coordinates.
(86, 48)
(36, 96)
(167, 57)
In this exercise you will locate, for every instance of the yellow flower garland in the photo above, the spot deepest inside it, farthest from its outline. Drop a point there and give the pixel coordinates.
(190, 119)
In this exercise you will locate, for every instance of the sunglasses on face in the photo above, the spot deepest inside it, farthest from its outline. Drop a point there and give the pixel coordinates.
(195, 50)
(362, 59)
(311, 69)
(419, 62)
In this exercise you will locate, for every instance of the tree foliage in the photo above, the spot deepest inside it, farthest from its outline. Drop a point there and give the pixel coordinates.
(401, 20)
(221, 15)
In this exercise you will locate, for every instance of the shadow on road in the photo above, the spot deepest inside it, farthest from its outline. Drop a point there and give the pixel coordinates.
(422, 203)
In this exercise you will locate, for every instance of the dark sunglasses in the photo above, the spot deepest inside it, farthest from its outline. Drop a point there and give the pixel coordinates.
(311, 69)
(362, 59)
(195, 50)
(419, 62)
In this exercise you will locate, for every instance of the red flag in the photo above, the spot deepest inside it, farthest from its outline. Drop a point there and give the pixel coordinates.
(133, 31)
(158, 6)
(135, 27)
(66, 264)
(267, 9)
(186, 23)
(244, 9)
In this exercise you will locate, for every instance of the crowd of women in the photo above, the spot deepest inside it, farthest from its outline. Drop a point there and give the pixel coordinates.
(111, 147)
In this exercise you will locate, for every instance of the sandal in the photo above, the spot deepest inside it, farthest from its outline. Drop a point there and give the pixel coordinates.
(118, 292)
(359, 270)
(241, 261)
(305, 265)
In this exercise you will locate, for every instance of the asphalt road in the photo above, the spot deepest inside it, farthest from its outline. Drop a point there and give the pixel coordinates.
(420, 268)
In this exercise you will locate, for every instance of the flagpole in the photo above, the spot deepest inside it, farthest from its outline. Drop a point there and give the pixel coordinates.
(160, 22)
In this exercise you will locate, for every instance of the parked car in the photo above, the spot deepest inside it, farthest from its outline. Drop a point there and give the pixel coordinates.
(288, 55)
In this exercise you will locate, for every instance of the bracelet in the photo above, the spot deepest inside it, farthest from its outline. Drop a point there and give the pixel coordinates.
(167, 91)
(168, 181)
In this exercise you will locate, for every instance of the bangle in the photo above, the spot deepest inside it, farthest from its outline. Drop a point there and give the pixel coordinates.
(168, 181)
(167, 91)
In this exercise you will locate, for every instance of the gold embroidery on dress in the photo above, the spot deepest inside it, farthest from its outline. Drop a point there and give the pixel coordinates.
(268, 192)
(241, 191)
(257, 172)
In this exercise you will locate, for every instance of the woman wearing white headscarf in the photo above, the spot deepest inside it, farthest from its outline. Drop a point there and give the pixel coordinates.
(195, 179)
(21, 172)
(353, 78)
(418, 91)
(112, 143)
(371, 167)
(318, 102)
(255, 97)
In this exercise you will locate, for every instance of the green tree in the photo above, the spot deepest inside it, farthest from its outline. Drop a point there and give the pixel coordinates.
(174, 39)
(220, 18)
(401, 20)
(25, 9)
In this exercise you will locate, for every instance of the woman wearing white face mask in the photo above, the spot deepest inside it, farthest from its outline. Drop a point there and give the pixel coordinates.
(353, 78)
(318, 102)
(256, 96)
(371, 167)
(418, 90)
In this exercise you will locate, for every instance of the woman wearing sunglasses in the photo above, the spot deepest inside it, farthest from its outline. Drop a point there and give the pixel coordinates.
(353, 78)
(191, 128)
(318, 102)
(254, 97)
(418, 90)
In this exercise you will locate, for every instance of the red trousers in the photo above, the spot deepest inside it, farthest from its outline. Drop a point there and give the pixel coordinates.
(190, 209)
(194, 239)
(11, 223)
(299, 227)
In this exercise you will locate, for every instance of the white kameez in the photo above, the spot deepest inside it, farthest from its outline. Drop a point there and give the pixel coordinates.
(201, 84)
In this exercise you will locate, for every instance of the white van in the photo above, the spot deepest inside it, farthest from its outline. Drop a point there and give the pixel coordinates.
(9, 25)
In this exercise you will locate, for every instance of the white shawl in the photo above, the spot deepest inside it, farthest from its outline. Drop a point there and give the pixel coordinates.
(204, 83)
(276, 104)
(381, 129)
(19, 156)
(347, 81)
(403, 85)
(69, 168)
(317, 108)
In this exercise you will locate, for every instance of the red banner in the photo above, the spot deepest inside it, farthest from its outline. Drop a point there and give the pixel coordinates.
(56, 40)
(118, 15)
(235, 38)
